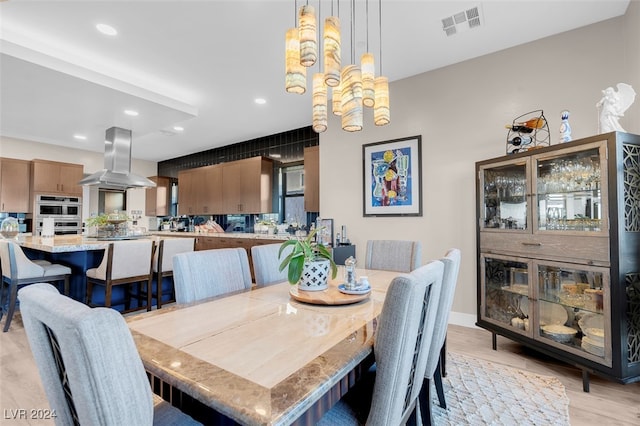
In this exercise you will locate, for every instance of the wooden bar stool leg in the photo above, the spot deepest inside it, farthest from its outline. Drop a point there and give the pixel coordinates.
(107, 295)
(89, 297)
(149, 298)
(13, 295)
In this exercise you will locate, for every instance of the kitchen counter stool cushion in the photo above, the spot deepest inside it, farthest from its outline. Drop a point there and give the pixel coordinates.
(124, 263)
(89, 364)
(410, 303)
(393, 255)
(208, 273)
(266, 264)
(18, 270)
(163, 263)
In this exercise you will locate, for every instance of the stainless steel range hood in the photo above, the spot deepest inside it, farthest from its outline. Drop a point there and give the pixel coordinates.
(117, 164)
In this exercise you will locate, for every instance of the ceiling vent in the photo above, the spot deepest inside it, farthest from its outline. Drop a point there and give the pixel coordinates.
(461, 21)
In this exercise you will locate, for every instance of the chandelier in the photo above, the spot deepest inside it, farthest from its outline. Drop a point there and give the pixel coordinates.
(353, 86)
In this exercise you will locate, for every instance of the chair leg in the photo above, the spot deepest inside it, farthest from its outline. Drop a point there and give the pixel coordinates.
(107, 295)
(443, 357)
(158, 291)
(424, 399)
(89, 297)
(149, 298)
(66, 285)
(437, 380)
(13, 295)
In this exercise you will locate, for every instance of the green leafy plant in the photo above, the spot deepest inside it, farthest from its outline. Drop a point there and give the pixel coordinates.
(100, 220)
(304, 250)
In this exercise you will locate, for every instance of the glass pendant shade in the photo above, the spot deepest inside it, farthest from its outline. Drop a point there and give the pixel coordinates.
(368, 74)
(319, 103)
(336, 100)
(308, 37)
(381, 111)
(332, 51)
(352, 114)
(295, 73)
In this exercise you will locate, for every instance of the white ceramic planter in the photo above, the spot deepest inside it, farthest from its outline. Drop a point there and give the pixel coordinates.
(314, 275)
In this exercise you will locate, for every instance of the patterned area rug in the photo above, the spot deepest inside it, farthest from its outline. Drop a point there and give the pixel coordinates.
(480, 392)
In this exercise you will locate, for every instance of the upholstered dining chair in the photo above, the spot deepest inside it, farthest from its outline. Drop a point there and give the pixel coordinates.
(208, 273)
(393, 255)
(88, 362)
(401, 337)
(18, 270)
(124, 263)
(436, 354)
(163, 265)
(266, 264)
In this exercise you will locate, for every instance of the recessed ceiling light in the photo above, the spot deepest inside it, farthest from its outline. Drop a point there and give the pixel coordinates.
(131, 112)
(80, 137)
(178, 128)
(106, 29)
(260, 101)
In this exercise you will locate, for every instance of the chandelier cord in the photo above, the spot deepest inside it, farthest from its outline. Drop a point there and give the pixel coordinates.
(380, 28)
(367, 15)
(353, 31)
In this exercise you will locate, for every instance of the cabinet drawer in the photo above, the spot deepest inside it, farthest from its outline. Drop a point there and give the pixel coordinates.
(577, 249)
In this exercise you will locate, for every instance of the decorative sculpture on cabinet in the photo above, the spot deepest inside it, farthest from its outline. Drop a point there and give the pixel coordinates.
(613, 105)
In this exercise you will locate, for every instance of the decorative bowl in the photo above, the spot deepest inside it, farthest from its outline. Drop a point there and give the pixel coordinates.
(558, 333)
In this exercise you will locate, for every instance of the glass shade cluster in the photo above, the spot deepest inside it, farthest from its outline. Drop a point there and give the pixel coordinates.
(353, 87)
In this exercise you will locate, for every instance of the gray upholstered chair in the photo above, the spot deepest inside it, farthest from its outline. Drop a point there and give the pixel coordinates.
(437, 352)
(402, 337)
(18, 270)
(208, 273)
(266, 264)
(124, 263)
(163, 264)
(393, 255)
(89, 365)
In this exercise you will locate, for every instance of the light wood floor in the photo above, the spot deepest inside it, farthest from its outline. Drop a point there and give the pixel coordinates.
(607, 404)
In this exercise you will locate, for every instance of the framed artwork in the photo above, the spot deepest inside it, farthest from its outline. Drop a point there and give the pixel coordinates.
(325, 234)
(392, 177)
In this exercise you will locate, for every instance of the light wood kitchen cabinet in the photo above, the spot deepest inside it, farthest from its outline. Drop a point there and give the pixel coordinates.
(187, 187)
(15, 182)
(209, 194)
(52, 177)
(312, 179)
(158, 199)
(247, 186)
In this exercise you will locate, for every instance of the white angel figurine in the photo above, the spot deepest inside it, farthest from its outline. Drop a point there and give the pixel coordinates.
(613, 105)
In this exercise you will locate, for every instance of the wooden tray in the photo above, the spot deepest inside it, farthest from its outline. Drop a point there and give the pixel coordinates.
(330, 296)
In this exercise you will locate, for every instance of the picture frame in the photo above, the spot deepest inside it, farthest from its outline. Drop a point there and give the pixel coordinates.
(325, 235)
(392, 177)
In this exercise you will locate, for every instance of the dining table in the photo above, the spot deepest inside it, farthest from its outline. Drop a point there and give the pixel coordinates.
(272, 355)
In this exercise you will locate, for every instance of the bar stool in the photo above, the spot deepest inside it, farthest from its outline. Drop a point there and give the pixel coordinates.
(124, 263)
(18, 270)
(163, 265)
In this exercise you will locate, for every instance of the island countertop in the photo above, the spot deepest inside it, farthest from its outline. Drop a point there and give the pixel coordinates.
(276, 237)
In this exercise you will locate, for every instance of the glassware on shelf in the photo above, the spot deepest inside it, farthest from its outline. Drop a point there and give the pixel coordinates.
(10, 227)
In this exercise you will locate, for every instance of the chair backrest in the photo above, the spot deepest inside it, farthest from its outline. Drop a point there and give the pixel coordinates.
(130, 258)
(207, 273)
(393, 255)
(169, 247)
(266, 264)
(15, 264)
(400, 340)
(88, 362)
(451, 263)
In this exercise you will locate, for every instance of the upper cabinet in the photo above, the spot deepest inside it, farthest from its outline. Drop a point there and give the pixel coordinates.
(15, 181)
(247, 186)
(243, 186)
(158, 199)
(312, 179)
(52, 177)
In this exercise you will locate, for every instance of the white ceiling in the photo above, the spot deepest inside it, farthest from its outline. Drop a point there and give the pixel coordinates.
(201, 64)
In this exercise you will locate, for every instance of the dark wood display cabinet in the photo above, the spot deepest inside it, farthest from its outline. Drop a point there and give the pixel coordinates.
(558, 243)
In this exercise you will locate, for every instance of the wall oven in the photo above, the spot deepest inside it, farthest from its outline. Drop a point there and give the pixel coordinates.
(65, 211)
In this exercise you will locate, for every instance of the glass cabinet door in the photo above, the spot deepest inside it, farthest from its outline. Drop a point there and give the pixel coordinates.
(505, 292)
(570, 191)
(504, 188)
(572, 309)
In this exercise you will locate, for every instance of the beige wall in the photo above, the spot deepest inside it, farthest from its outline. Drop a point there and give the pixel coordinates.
(460, 111)
(92, 161)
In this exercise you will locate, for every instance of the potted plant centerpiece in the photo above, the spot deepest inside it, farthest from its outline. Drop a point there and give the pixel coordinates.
(308, 262)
